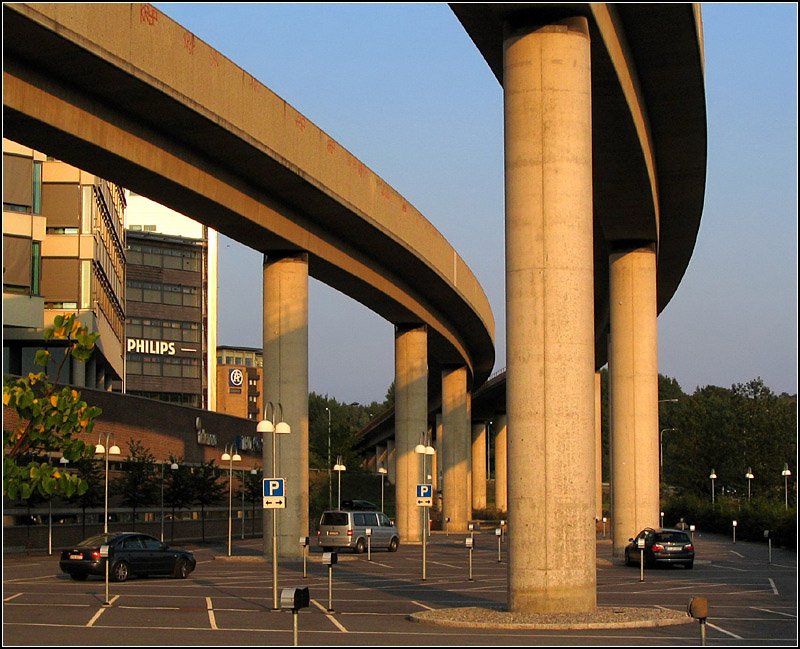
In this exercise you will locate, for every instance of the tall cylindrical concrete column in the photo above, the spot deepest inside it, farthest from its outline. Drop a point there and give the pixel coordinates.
(390, 461)
(286, 383)
(501, 464)
(598, 449)
(550, 317)
(633, 392)
(411, 421)
(479, 465)
(456, 455)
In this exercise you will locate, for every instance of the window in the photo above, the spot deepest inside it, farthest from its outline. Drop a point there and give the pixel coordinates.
(36, 266)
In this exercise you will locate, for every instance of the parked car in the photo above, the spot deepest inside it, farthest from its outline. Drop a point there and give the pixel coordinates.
(348, 529)
(661, 546)
(129, 553)
(359, 505)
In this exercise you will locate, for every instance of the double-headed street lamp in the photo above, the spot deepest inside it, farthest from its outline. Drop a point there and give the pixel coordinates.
(749, 475)
(105, 449)
(382, 472)
(424, 449)
(786, 473)
(268, 425)
(339, 467)
(330, 482)
(174, 467)
(230, 458)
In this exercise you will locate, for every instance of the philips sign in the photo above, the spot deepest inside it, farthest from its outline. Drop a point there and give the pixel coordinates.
(140, 346)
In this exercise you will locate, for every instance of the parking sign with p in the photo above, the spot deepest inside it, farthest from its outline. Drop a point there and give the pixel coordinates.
(274, 493)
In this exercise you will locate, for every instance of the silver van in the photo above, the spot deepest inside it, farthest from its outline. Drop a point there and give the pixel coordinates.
(348, 529)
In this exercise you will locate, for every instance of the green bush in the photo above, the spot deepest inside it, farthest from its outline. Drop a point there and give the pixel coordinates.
(752, 518)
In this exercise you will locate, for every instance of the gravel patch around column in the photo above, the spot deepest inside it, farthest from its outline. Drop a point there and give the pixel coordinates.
(608, 617)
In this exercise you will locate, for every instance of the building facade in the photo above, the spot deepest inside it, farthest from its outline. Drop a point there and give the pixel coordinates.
(171, 306)
(240, 382)
(63, 253)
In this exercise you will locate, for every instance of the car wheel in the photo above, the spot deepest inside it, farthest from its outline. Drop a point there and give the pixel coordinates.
(394, 544)
(361, 547)
(120, 571)
(79, 576)
(182, 569)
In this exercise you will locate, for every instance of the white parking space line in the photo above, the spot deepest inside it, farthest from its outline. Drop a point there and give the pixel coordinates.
(741, 556)
(102, 610)
(421, 605)
(8, 599)
(329, 615)
(211, 619)
(774, 587)
(721, 630)
(767, 610)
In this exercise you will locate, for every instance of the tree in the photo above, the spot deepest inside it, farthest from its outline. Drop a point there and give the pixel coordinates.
(90, 471)
(179, 489)
(50, 418)
(252, 489)
(138, 484)
(206, 489)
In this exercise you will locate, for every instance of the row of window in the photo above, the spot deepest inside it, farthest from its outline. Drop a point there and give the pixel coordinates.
(145, 255)
(188, 332)
(163, 294)
(185, 367)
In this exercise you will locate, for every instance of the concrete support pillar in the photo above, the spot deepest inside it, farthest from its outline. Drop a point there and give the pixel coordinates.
(501, 464)
(391, 462)
(598, 449)
(456, 455)
(633, 392)
(440, 446)
(479, 465)
(411, 421)
(550, 317)
(286, 383)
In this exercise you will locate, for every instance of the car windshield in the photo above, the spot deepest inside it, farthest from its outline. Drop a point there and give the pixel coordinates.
(672, 537)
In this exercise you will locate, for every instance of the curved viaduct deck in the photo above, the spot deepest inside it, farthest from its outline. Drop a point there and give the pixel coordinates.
(126, 93)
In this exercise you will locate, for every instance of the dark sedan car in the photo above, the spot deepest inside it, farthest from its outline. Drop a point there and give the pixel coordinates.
(661, 546)
(129, 553)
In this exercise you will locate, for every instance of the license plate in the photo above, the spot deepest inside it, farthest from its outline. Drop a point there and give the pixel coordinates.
(76, 556)
(333, 533)
(674, 549)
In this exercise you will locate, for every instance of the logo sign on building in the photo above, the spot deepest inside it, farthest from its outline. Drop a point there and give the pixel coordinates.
(424, 495)
(251, 443)
(274, 496)
(235, 378)
(144, 346)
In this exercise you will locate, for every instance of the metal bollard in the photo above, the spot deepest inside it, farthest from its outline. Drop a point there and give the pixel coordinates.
(698, 609)
(469, 543)
(498, 532)
(640, 545)
(369, 543)
(330, 559)
(734, 531)
(295, 599)
(304, 545)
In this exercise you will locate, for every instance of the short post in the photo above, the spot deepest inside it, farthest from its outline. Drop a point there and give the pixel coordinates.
(691, 529)
(369, 543)
(698, 609)
(304, 545)
(640, 545)
(734, 531)
(503, 531)
(662, 519)
(447, 526)
(330, 559)
(295, 599)
(104, 552)
(604, 526)
(469, 542)
(769, 545)
(499, 533)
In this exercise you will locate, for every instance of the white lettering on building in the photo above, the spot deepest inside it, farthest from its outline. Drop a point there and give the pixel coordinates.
(144, 346)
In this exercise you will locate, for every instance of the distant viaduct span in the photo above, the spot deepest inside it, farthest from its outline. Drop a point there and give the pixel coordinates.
(605, 173)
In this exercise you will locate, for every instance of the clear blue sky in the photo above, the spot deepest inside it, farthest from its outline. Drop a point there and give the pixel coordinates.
(406, 91)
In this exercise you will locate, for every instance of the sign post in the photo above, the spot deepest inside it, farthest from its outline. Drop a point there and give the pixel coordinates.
(274, 499)
(424, 500)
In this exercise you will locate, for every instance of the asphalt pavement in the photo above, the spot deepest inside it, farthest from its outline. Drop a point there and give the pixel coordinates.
(376, 599)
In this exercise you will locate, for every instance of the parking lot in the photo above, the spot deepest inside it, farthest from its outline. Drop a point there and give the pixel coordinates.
(228, 601)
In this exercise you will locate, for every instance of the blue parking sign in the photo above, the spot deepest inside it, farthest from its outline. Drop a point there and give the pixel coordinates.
(424, 495)
(274, 494)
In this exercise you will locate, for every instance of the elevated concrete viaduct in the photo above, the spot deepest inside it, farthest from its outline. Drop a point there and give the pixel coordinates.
(605, 141)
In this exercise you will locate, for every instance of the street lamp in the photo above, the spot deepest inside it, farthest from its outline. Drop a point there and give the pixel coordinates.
(339, 467)
(786, 473)
(713, 477)
(330, 482)
(63, 461)
(382, 472)
(268, 425)
(254, 472)
(423, 449)
(227, 457)
(661, 445)
(106, 450)
(749, 476)
(174, 467)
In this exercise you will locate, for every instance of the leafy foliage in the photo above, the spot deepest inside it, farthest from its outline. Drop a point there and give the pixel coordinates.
(139, 484)
(50, 418)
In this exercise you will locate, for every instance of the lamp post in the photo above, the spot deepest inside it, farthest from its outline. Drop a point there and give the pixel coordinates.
(330, 481)
(268, 425)
(339, 467)
(243, 510)
(786, 473)
(749, 476)
(174, 467)
(63, 461)
(227, 457)
(713, 477)
(382, 472)
(105, 449)
(661, 445)
(424, 449)
(254, 472)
